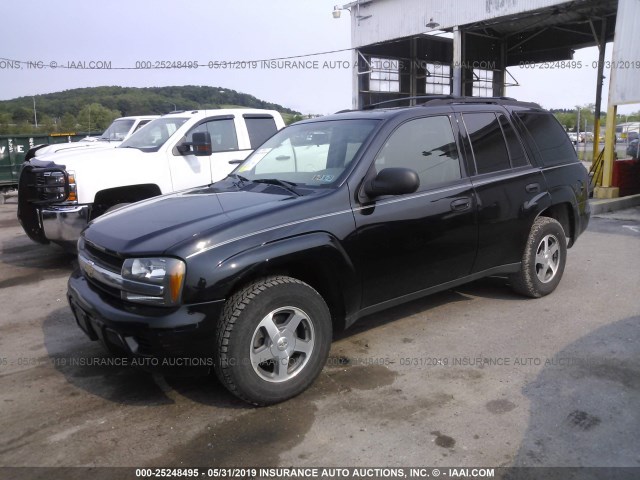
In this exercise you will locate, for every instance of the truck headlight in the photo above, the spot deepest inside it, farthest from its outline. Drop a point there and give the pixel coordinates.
(153, 281)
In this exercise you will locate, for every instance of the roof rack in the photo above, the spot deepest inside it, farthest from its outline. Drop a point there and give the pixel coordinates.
(447, 100)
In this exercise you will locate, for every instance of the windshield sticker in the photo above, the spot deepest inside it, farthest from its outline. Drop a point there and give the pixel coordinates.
(324, 178)
(257, 156)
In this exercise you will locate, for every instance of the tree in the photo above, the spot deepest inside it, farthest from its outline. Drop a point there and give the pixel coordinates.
(68, 122)
(22, 114)
(95, 117)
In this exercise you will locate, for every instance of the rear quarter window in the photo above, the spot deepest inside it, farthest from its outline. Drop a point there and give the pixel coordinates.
(549, 138)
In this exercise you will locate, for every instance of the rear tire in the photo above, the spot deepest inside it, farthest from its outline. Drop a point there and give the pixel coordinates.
(273, 340)
(543, 261)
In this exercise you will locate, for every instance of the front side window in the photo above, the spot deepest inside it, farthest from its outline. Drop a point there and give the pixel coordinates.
(222, 132)
(312, 154)
(154, 135)
(487, 142)
(425, 145)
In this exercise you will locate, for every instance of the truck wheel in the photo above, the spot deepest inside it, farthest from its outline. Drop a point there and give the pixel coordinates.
(273, 340)
(543, 260)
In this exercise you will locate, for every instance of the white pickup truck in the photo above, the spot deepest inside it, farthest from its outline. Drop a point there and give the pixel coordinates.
(119, 130)
(59, 194)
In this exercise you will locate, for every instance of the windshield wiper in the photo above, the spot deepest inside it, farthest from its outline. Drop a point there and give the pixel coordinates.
(279, 183)
(242, 180)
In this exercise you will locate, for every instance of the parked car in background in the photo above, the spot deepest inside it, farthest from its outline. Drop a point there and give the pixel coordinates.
(330, 220)
(59, 194)
(576, 137)
(114, 135)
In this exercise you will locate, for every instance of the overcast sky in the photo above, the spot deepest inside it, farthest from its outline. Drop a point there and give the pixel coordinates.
(126, 32)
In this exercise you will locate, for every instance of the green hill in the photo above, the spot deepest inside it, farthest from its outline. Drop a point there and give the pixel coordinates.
(94, 108)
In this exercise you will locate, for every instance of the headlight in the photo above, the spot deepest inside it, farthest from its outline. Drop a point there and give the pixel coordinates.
(154, 281)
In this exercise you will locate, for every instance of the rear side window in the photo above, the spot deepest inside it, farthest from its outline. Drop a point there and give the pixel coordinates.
(550, 139)
(425, 145)
(260, 129)
(487, 142)
(518, 158)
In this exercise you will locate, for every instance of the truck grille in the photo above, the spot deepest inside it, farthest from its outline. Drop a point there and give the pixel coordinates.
(44, 185)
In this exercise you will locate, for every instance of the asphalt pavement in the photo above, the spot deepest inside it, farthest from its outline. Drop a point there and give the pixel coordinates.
(474, 376)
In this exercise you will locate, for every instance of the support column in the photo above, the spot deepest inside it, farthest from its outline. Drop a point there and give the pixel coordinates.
(596, 125)
(607, 191)
(457, 61)
(413, 70)
(356, 98)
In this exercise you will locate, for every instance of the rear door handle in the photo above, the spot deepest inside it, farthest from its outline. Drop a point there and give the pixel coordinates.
(532, 188)
(461, 204)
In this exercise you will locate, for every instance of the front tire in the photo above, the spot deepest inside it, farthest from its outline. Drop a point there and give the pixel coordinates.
(543, 260)
(273, 340)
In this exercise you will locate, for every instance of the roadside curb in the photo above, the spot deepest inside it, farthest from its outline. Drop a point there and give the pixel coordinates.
(613, 204)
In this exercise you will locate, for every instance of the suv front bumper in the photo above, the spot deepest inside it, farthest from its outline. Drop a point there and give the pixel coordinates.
(184, 335)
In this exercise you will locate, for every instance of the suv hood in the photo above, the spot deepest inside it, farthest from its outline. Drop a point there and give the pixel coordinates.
(152, 226)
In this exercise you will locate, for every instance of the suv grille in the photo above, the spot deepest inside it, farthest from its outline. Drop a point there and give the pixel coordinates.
(108, 260)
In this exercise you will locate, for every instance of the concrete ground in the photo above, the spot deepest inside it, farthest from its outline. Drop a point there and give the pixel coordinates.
(475, 376)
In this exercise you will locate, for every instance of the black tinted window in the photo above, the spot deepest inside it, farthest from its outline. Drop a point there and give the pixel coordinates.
(518, 159)
(550, 139)
(260, 129)
(425, 145)
(487, 142)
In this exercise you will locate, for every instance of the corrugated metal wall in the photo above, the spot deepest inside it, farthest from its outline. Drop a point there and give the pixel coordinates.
(625, 67)
(391, 19)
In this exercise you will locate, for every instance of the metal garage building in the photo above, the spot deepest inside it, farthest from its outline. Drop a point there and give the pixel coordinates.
(408, 48)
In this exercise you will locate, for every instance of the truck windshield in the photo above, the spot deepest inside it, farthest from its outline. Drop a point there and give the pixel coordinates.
(154, 134)
(312, 154)
(117, 131)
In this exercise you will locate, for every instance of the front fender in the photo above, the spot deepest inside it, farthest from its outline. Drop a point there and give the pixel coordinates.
(317, 258)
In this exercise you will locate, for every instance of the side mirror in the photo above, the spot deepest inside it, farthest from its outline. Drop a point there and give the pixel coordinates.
(392, 181)
(200, 145)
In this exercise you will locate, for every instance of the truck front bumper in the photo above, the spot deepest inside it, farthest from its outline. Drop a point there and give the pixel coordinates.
(63, 224)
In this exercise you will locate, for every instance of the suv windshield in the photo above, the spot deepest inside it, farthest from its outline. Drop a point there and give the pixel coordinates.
(154, 134)
(313, 154)
(117, 131)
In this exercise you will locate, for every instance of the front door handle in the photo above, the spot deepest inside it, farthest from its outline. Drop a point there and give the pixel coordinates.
(532, 188)
(461, 204)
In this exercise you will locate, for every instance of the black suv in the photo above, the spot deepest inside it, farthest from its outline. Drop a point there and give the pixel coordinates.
(332, 219)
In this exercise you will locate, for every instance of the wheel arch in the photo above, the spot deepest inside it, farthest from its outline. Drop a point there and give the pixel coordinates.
(316, 259)
(565, 212)
(125, 194)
